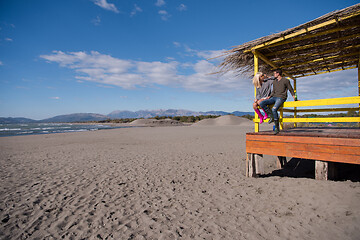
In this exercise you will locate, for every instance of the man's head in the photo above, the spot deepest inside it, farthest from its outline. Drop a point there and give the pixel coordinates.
(277, 72)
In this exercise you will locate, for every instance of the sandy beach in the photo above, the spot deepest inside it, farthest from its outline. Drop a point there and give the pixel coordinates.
(171, 182)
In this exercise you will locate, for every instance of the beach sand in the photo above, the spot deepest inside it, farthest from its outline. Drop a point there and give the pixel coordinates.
(179, 182)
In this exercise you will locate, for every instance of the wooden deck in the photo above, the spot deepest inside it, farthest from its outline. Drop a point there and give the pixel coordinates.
(325, 145)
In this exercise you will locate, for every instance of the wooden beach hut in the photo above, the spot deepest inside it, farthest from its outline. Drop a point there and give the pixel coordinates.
(327, 44)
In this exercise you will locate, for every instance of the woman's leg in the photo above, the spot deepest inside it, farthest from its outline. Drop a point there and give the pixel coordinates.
(263, 105)
(265, 115)
(255, 106)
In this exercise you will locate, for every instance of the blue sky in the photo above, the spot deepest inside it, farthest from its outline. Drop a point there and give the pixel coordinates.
(70, 56)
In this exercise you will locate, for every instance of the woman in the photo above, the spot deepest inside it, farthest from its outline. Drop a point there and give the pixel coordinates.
(263, 89)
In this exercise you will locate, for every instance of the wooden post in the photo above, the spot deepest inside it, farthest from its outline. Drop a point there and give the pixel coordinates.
(254, 164)
(295, 113)
(251, 166)
(324, 170)
(259, 164)
(256, 69)
(248, 156)
(281, 161)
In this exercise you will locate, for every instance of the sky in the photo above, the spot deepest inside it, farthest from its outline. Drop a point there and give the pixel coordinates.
(97, 56)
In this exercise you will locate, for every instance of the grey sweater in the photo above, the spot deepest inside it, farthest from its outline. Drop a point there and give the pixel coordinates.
(281, 87)
(265, 89)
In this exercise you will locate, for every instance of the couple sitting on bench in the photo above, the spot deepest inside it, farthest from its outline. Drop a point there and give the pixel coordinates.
(265, 97)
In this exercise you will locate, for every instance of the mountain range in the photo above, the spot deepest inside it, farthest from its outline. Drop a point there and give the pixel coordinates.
(84, 117)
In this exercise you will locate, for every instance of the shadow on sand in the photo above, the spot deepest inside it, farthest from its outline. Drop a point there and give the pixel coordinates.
(305, 168)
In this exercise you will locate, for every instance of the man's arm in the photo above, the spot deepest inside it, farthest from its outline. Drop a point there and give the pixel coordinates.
(288, 84)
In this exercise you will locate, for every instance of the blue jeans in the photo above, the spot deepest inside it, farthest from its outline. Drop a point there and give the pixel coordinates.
(277, 104)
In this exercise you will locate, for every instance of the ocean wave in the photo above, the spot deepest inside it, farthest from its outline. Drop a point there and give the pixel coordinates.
(10, 129)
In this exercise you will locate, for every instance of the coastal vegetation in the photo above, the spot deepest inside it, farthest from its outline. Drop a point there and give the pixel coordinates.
(184, 119)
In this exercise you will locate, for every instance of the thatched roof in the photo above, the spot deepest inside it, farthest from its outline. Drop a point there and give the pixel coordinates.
(328, 43)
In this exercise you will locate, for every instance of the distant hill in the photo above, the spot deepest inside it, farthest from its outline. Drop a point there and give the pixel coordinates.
(152, 113)
(239, 114)
(168, 112)
(76, 117)
(10, 120)
(85, 117)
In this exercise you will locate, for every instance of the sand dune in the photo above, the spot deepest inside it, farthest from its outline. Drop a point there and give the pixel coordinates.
(161, 183)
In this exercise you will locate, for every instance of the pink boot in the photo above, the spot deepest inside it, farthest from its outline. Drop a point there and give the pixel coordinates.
(265, 116)
(260, 115)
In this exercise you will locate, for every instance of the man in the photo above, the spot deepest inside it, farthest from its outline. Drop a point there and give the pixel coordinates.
(277, 97)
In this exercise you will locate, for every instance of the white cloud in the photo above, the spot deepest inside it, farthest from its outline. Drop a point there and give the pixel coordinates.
(1, 63)
(164, 15)
(105, 5)
(210, 54)
(160, 3)
(135, 10)
(204, 81)
(206, 54)
(96, 21)
(56, 98)
(8, 39)
(107, 70)
(177, 44)
(329, 85)
(182, 7)
(159, 72)
(193, 76)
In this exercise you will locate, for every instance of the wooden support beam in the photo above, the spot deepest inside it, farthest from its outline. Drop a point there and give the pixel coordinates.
(326, 67)
(256, 70)
(281, 162)
(323, 102)
(259, 164)
(324, 71)
(315, 54)
(251, 167)
(324, 170)
(322, 119)
(267, 61)
(319, 60)
(321, 110)
(301, 38)
(331, 41)
(295, 109)
(254, 165)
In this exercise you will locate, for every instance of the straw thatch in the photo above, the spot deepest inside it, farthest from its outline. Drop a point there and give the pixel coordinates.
(331, 47)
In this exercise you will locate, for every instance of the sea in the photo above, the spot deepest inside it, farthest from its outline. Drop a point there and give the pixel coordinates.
(7, 130)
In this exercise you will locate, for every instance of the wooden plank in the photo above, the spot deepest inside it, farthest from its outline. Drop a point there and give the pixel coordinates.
(323, 148)
(303, 139)
(321, 110)
(324, 119)
(279, 151)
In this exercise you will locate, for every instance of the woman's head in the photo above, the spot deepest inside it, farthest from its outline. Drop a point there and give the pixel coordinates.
(258, 78)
